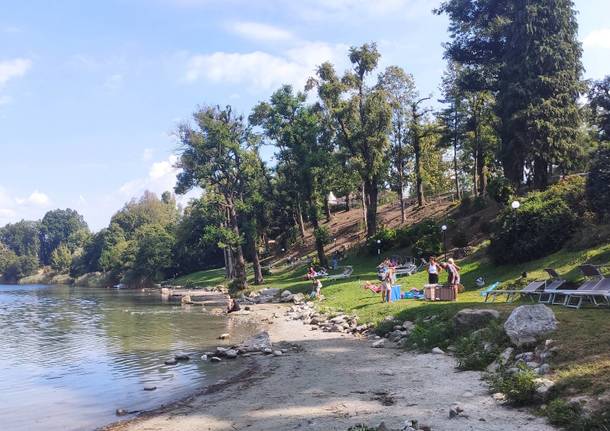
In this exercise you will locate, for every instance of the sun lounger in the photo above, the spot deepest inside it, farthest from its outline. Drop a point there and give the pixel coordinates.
(552, 285)
(489, 289)
(532, 289)
(406, 269)
(595, 288)
(347, 273)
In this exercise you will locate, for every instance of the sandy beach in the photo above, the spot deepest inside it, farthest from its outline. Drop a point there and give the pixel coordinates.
(331, 381)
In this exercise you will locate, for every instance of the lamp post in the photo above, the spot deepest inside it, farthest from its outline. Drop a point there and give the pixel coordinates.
(378, 247)
(444, 229)
(515, 205)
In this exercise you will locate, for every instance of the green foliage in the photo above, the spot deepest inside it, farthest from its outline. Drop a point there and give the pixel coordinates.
(61, 226)
(61, 258)
(598, 182)
(500, 189)
(519, 388)
(599, 99)
(21, 266)
(480, 348)
(148, 209)
(427, 335)
(562, 413)
(386, 235)
(153, 256)
(322, 235)
(23, 237)
(541, 225)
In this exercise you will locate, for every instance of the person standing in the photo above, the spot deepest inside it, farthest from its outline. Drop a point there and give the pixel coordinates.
(433, 270)
(454, 275)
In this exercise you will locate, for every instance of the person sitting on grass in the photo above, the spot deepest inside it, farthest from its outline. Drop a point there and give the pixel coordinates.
(373, 287)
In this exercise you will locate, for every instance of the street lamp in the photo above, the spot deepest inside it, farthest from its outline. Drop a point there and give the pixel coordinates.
(378, 247)
(444, 229)
(515, 205)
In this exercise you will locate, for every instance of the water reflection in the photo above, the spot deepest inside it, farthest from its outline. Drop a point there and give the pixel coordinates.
(69, 356)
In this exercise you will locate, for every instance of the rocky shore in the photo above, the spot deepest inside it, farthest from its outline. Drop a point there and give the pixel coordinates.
(310, 371)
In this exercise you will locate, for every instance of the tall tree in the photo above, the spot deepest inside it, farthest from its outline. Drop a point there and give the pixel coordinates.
(599, 100)
(304, 149)
(213, 157)
(361, 115)
(528, 53)
(401, 91)
(418, 131)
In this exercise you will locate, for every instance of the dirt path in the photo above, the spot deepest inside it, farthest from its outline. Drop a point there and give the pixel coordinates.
(337, 381)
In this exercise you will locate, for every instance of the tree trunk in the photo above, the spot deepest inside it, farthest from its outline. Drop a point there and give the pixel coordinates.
(458, 191)
(363, 207)
(319, 244)
(541, 173)
(401, 196)
(475, 176)
(371, 189)
(240, 279)
(299, 217)
(256, 263)
(347, 202)
(482, 173)
(419, 184)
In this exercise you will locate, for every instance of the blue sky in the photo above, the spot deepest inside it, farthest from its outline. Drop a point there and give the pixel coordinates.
(90, 92)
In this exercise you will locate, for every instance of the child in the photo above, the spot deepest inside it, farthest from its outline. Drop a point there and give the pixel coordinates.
(317, 285)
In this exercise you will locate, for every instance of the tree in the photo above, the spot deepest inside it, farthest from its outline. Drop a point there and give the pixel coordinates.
(527, 52)
(419, 132)
(57, 227)
(453, 119)
(361, 115)
(61, 258)
(153, 258)
(598, 182)
(304, 150)
(23, 237)
(148, 209)
(401, 91)
(213, 156)
(599, 100)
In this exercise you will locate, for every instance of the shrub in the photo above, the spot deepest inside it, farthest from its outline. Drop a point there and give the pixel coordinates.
(563, 414)
(541, 226)
(500, 189)
(460, 239)
(386, 235)
(406, 236)
(519, 388)
(428, 335)
(479, 203)
(480, 348)
(322, 235)
(598, 182)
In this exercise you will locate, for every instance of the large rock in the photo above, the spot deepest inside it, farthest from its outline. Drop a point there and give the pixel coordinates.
(258, 343)
(528, 324)
(469, 319)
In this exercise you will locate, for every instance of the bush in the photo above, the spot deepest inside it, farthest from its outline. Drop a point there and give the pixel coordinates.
(519, 388)
(322, 234)
(541, 226)
(387, 236)
(563, 414)
(598, 182)
(500, 189)
(428, 335)
(460, 239)
(480, 348)
(479, 203)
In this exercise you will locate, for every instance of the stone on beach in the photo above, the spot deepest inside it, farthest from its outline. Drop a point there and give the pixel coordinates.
(181, 357)
(469, 319)
(215, 359)
(257, 343)
(379, 344)
(171, 362)
(223, 336)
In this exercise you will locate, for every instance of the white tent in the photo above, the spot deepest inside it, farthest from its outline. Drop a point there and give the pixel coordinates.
(332, 199)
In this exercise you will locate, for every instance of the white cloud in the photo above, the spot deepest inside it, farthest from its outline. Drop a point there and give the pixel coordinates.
(598, 39)
(114, 82)
(161, 177)
(36, 199)
(15, 68)
(262, 70)
(260, 31)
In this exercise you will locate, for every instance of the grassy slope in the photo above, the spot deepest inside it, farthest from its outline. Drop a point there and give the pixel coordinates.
(583, 335)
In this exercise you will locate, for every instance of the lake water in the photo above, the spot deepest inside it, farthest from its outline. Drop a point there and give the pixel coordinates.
(70, 356)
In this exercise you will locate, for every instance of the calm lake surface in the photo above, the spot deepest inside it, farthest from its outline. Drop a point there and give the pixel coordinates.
(70, 356)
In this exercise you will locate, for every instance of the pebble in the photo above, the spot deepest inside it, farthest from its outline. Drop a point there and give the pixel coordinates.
(149, 388)
(277, 353)
(378, 344)
(215, 359)
(204, 357)
(171, 362)
(223, 336)
(438, 351)
(182, 357)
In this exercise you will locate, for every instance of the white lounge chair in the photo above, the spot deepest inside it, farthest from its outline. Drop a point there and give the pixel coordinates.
(347, 273)
(532, 289)
(552, 285)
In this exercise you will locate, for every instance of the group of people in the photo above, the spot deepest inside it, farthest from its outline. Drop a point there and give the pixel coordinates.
(387, 275)
(453, 272)
(312, 274)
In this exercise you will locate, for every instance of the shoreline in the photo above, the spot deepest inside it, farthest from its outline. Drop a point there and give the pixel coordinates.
(331, 381)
